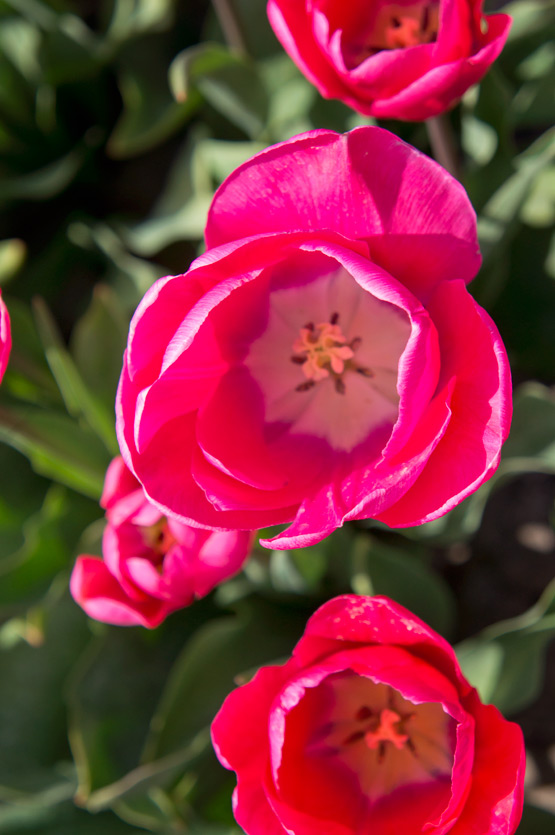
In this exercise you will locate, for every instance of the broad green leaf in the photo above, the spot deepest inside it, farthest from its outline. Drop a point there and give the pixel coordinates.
(31, 711)
(131, 276)
(50, 536)
(207, 669)
(506, 661)
(181, 211)
(378, 568)
(131, 18)
(227, 81)
(79, 400)
(97, 344)
(20, 497)
(56, 446)
(28, 376)
(45, 182)
(150, 114)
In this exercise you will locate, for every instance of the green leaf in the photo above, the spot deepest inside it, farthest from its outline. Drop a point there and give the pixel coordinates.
(32, 714)
(150, 114)
(131, 18)
(506, 662)
(226, 80)
(378, 568)
(97, 344)
(56, 446)
(209, 665)
(79, 400)
(45, 182)
(12, 256)
(181, 211)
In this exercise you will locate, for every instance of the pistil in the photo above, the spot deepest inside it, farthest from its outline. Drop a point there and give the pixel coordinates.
(323, 351)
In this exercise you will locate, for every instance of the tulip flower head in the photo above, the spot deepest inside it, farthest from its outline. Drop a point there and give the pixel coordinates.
(407, 59)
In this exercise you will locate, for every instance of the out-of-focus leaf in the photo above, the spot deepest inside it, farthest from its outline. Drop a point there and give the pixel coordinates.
(226, 80)
(20, 43)
(56, 446)
(12, 256)
(28, 376)
(479, 140)
(505, 662)
(136, 17)
(529, 448)
(20, 497)
(77, 397)
(48, 814)
(31, 711)
(533, 426)
(150, 114)
(539, 207)
(131, 276)
(183, 206)
(501, 213)
(207, 669)
(536, 821)
(46, 182)
(50, 537)
(382, 569)
(97, 345)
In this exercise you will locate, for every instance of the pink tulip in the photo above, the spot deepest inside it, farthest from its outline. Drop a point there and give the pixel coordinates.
(323, 361)
(407, 59)
(152, 564)
(5, 337)
(369, 728)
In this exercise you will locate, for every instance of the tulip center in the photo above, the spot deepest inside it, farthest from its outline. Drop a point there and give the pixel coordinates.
(327, 361)
(400, 25)
(158, 538)
(385, 739)
(323, 351)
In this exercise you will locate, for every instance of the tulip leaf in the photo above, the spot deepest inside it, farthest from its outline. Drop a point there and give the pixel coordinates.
(506, 661)
(208, 668)
(383, 569)
(97, 344)
(56, 446)
(225, 80)
(79, 400)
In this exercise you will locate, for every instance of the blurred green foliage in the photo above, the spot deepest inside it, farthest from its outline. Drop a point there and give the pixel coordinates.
(118, 120)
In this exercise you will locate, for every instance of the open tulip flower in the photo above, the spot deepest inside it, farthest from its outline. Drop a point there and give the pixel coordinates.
(152, 565)
(5, 337)
(370, 728)
(323, 361)
(407, 59)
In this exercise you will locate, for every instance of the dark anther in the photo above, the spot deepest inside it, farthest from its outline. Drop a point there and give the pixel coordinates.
(425, 18)
(395, 22)
(355, 343)
(298, 360)
(305, 386)
(309, 326)
(334, 318)
(381, 752)
(363, 713)
(356, 737)
(366, 372)
(339, 386)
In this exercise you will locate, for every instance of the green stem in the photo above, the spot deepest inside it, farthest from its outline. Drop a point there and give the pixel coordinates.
(231, 26)
(444, 146)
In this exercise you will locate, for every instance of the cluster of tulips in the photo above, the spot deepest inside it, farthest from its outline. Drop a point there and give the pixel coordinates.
(321, 362)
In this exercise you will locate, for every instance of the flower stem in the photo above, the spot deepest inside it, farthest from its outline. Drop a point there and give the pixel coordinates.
(444, 147)
(231, 25)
